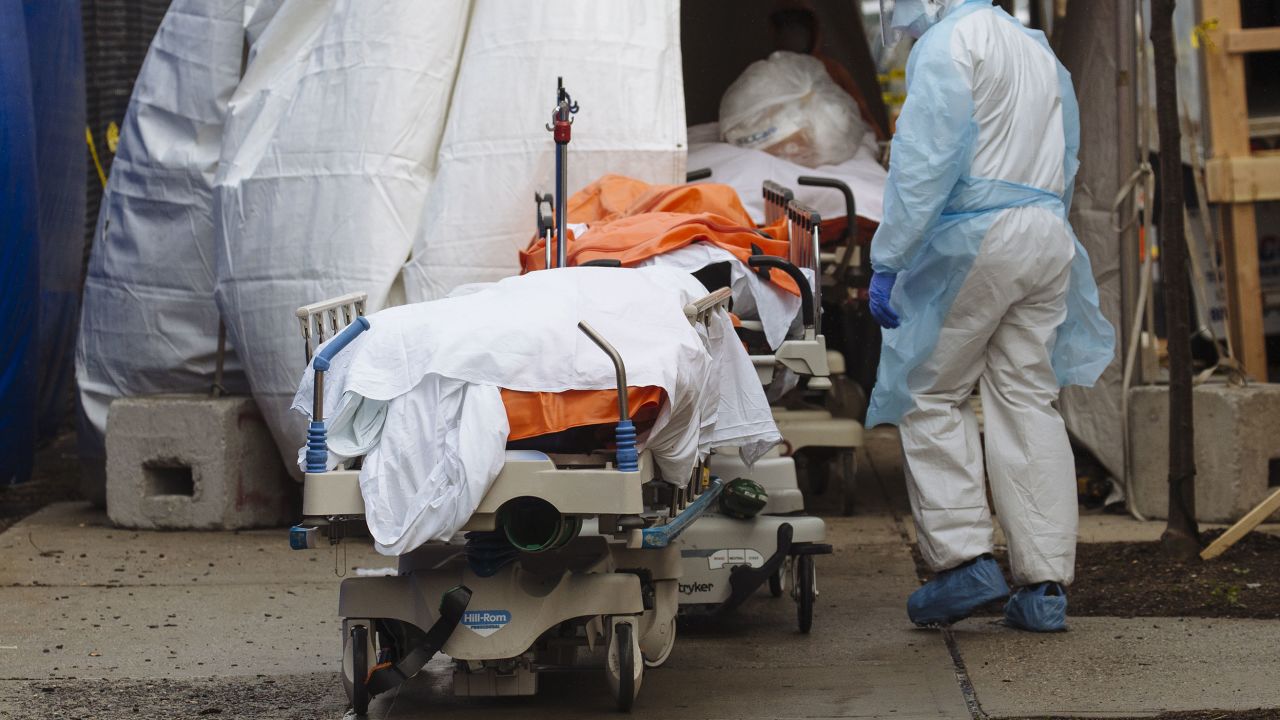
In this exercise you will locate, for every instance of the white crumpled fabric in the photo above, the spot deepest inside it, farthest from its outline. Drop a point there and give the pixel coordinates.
(418, 393)
(745, 170)
(753, 298)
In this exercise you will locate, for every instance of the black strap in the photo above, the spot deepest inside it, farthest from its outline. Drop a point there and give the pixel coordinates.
(452, 605)
(743, 580)
(761, 272)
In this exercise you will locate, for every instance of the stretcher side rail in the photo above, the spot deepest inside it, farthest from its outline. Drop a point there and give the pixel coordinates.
(594, 484)
(776, 200)
(325, 319)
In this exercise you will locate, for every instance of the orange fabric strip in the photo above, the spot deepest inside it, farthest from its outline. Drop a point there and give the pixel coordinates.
(531, 414)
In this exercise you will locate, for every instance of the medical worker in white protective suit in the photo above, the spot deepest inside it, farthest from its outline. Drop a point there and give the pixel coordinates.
(979, 280)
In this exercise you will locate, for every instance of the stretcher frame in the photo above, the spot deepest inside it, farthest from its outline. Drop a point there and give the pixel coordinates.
(614, 585)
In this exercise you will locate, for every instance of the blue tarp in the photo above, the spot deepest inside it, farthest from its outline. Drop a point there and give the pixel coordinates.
(42, 198)
(19, 259)
(56, 48)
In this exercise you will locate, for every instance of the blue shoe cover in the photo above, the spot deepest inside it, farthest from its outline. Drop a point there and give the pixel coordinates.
(1038, 608)
(954, 594)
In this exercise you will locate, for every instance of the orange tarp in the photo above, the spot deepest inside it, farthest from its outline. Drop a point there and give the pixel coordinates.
(632, 221)
(531, 414)
(632, 240)
(615, 196)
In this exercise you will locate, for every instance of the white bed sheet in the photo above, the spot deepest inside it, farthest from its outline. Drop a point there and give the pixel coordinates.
(418, 393)
(745, 170)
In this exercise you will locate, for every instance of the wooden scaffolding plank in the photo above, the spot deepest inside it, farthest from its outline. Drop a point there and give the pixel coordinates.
(1243, 527)
(1243, 179)
(1253, 40)
(1229, 138)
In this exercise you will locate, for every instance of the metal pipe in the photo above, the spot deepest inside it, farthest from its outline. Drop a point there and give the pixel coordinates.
(561, 127)
(317, 402)
(624, 409)
(561, 188)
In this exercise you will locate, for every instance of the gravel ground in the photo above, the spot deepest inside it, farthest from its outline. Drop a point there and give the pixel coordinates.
(291, 696)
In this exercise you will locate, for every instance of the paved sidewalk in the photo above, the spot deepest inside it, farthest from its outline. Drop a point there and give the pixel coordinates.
(101, 621)
(165, 614)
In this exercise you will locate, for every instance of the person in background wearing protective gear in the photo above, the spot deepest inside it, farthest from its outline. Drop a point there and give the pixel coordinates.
(979, 281)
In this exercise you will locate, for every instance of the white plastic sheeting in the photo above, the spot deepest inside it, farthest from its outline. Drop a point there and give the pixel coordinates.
(1088, 49)
(148, 323)
(621, 63)
(418, 394)
(787, 105)
(361, 137)
(327, 160)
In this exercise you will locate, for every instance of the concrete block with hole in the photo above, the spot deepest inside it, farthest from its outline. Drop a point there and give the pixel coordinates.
(1237, 448)
(194, 462)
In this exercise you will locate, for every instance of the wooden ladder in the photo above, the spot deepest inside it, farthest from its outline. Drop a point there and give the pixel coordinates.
(1237, 177)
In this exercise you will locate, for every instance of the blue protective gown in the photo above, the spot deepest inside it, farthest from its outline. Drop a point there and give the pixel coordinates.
(936, 214)
(993, 290)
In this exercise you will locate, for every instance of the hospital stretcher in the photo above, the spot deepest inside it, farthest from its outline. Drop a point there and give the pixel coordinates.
(570, 553)
(726, 560)
(818, 422)
(632, 221)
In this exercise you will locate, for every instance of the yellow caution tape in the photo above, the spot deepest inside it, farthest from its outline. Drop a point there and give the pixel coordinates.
(1200, 34)
(93, 152)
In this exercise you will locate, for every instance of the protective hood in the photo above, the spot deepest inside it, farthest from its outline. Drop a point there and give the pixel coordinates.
(911, 17)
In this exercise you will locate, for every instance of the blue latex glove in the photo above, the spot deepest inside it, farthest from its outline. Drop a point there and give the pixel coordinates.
(880, 290)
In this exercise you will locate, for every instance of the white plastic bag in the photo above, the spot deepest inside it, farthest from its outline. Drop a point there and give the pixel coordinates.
(788, 106)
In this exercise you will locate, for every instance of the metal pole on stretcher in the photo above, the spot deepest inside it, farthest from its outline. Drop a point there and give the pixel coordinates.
(561, 128)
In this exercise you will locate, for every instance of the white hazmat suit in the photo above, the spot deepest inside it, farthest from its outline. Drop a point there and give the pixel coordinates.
(991, 288)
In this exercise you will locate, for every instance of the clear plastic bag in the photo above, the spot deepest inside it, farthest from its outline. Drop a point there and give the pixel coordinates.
(788, 105)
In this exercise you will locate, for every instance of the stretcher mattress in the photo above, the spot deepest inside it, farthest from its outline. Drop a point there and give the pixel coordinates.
(420, 395)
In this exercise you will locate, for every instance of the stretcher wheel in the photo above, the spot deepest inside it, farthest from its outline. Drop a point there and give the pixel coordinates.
(816, 470)
(775, 583)
(848, 480)
(358, 693)
(661, 658)
(805, 590)
(624, 666)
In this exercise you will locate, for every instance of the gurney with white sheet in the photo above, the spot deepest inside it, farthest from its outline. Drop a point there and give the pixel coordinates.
(529, 450)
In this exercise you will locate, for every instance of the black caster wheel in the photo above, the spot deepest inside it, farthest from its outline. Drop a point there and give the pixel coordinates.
(359, 695)
(805, 590)
(815, 467)
(848, 480)
(621, 666)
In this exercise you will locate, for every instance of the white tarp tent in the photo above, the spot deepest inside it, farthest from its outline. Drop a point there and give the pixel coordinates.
(378, 147)
(327, 159)
(412, 133)
(148, 323)
(621, 63)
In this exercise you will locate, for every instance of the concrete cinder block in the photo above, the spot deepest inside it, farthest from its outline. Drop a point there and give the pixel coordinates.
(194, 462)
(1236, 442)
